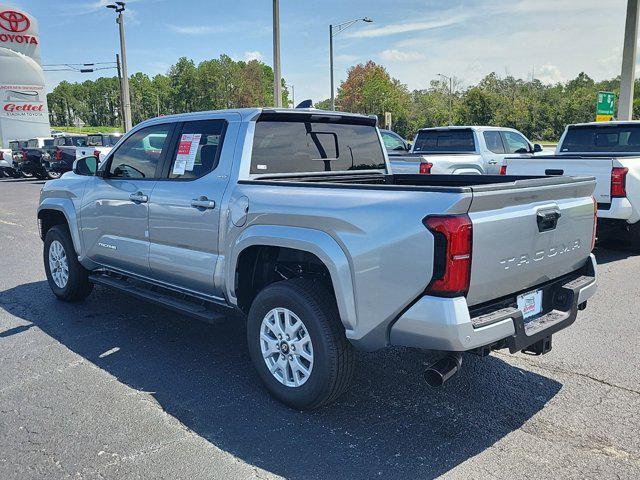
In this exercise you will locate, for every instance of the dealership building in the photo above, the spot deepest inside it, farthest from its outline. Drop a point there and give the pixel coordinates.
(23, 98)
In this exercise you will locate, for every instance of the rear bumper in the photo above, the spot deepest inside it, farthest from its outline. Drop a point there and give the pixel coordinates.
(435, 323)
(619, 209)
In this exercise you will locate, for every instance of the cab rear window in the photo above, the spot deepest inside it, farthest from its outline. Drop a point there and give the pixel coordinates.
(315, 146)
(444, 141)
(615, 138)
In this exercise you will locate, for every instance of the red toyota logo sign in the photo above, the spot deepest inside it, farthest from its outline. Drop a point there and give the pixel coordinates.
(14, 21)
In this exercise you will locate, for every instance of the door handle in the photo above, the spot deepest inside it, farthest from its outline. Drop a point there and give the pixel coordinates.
(203, 202)
(138, 197)
(492, 162)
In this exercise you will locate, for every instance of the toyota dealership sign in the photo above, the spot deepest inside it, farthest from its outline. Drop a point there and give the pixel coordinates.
(23, 98)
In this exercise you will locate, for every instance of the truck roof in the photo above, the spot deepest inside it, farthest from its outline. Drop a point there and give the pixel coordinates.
(477, 128)
(249, 114)
(605, 124)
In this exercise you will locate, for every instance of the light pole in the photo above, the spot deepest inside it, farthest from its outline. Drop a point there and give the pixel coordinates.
(450, 96)
(277, 74)
(625, 103)
(124, 88)
(333, 31)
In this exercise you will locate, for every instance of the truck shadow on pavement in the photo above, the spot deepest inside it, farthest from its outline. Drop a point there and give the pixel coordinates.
(389, 425)
(613, 252)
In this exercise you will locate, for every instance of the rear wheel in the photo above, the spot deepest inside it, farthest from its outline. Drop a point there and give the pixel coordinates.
(68, 280)
(298, 345)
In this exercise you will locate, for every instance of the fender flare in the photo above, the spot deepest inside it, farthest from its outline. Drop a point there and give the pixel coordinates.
(66, 207)
(319, 243)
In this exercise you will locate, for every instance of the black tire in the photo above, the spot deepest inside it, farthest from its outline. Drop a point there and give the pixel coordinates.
(78, 286)
(334, 356)
(53, 175)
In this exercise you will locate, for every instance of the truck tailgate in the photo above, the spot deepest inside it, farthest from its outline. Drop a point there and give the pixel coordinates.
(598, 167)
(515, 243)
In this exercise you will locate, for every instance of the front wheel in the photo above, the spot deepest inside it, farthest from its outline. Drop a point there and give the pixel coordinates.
(298, 344)
(68, 280)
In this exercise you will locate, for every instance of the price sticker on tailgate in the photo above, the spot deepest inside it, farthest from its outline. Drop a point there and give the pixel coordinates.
(530, 303)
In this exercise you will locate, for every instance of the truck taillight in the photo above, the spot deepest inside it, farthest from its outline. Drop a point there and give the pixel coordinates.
(595, 222)
(58, 154)
(96, 153)
(503, 170)
(24, 155)
(619, 182)
(453, 235)
(1, 155)
(425, 167)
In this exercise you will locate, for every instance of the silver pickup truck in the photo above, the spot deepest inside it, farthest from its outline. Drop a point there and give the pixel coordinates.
(291, 218)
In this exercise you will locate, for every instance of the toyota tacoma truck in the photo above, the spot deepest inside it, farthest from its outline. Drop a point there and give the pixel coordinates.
(291, 218)
(460, 150)
(608, 151)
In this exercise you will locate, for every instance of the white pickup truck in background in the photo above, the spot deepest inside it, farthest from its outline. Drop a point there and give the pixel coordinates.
(609, 151)
(462, 150)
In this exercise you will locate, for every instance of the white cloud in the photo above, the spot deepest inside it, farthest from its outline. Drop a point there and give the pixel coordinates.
(195, 29)
(396, 28)
(393, 55)
(550, 74)
(254, 55)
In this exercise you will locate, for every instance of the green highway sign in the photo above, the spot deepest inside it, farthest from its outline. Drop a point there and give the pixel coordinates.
(605, 106)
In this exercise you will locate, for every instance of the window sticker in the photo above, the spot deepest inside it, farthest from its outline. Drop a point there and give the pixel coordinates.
(187, 150)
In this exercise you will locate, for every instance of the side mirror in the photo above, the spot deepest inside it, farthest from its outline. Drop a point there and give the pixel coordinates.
(86, 166)
(537, 148)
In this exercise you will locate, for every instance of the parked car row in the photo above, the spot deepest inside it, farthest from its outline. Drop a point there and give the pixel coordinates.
(292, 218)
(49, 158)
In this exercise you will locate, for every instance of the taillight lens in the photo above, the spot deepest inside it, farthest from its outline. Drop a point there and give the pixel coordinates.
(619, 182)
(1, 155)
(503, 170)
(595, 222)
(425, 167)
(96, 153)
(58, 154)
(453, 238)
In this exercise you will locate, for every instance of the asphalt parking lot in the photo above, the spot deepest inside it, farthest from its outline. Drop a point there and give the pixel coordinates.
(117, 388)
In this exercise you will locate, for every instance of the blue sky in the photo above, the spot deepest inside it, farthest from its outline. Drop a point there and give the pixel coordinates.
(414, 39)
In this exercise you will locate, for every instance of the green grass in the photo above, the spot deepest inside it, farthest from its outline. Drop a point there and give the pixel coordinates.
(70, 129)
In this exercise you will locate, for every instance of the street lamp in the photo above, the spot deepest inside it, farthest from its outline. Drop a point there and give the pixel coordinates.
(124, 87)
(450, 95)
(333, 31)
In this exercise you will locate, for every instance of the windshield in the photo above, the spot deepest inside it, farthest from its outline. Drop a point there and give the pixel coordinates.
(605, 139)
(444, 141)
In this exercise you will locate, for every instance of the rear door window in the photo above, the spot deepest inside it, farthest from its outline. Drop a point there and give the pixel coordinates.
(315, 146)
(198, 150)
(445, 141)
(139, 155)
(493, 139)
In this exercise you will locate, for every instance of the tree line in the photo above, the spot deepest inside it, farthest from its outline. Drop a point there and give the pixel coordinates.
(539, 110)
(211, 85)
